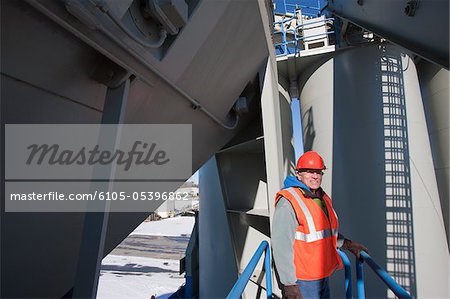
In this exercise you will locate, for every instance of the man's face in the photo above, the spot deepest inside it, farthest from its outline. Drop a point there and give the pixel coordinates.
(312, 178)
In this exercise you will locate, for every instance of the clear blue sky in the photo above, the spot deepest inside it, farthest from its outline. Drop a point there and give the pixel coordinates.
(297, 130)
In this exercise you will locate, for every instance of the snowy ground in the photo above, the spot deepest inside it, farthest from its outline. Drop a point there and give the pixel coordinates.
(133, 273)
(138, 277)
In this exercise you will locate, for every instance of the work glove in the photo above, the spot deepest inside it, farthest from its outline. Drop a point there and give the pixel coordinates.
(354, 247)
(291, 292)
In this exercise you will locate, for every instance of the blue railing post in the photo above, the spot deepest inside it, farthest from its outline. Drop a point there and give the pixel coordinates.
(360, 279)
(240, 284)
(385, 277)
(348, 275)
(268, 271)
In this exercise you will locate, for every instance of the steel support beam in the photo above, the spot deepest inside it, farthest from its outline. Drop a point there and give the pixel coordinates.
(96, 223)
(419, 26)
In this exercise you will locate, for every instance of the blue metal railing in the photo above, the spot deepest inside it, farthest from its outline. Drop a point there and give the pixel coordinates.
(385, 277)
(240, 284)
(348, 275)
(360, 280)
(284, 45)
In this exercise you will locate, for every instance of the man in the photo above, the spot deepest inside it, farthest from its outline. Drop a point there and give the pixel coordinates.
(305, 233)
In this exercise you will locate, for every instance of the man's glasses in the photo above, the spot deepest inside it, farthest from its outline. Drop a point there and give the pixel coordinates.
(311, 171)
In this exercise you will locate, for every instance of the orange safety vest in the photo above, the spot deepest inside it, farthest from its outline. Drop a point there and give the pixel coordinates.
(315, 244)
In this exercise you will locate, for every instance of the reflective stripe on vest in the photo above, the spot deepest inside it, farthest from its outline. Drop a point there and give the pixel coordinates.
(312, 237)
(313, 234)
(305, 210)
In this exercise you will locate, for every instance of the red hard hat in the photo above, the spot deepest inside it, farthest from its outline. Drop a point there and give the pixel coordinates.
(310, 160)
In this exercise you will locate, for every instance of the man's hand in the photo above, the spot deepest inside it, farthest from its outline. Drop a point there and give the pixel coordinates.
(354, 247)
(291, 292)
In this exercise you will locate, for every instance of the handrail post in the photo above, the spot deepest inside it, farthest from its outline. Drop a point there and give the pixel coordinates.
(385, 277)
(267, 268)
(242, 281)
(348, 275)
(360, 279)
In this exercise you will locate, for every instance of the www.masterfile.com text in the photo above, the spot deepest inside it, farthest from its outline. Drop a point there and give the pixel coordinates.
(96, 195)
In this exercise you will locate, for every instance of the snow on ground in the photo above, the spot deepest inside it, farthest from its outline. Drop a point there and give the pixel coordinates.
(177, 226)
(138, 277)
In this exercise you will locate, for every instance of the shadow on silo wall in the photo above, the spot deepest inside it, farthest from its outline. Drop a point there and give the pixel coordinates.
(371, 175)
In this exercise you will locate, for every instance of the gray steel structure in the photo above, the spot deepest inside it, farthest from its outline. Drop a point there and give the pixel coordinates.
(57, 67)
(61, 59)
(405, 23)
(363, 110)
